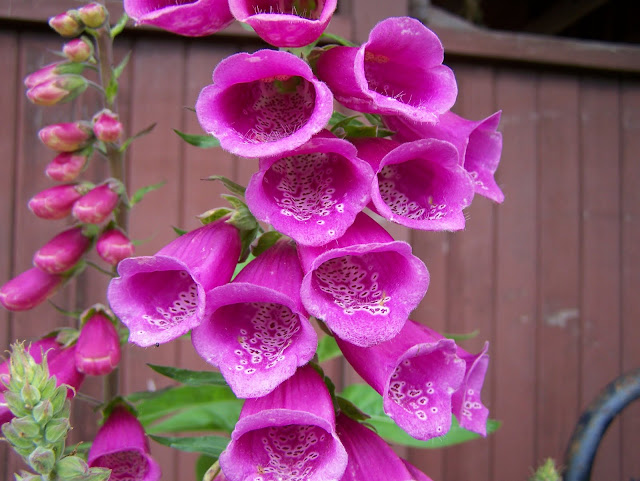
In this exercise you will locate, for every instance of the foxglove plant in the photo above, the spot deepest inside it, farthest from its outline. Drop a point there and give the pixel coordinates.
(29, 289)
(67, 166)
(62, 252)
(96, 206)
(98, 347)
(56, 202)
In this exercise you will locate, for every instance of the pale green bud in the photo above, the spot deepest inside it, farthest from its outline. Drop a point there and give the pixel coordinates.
(43, 412)
(71, 467)
(14, 401)
(58, 398)
(18, 441)
(30, 395)
(56, 429)
(42, 460)
(26, 427)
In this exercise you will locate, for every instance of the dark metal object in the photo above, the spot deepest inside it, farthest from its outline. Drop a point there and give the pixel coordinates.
(594, 422)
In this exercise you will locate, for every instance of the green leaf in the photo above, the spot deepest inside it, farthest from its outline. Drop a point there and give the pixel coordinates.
(209, 445)
(370, 402)
(144, 131)
(462, 337)
(210, 416)
(141, 192)
(241, 265)
(338, 39)
(190, 378)
(120, 67)
(202, 141)
(328, 349)
(111, 90)
(178, 230)
(203, 464)
(213, 215)
(374, 119)
(266, 240)
(119, 26)
(229, 184)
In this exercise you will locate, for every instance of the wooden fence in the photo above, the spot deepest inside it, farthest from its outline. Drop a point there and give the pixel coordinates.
(550, 278)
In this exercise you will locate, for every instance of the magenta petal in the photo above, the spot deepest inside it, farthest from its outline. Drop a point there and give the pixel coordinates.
(258, 333)
(29, 289)
(370, 457)
(62, 252)
(398, 71)
(291, 23)
(98, 347)
(192, 18)
(313, 193)
(364, 285)
(287, 434)
(416, 374)
(162, 297)
(122, 446)
(419, 184)
(263, 104)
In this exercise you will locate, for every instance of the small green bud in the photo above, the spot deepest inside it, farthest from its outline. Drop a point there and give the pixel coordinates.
(42, 460)
(18, 441)
(30, 395)
(26, 427)
(71, 467)
(14, 401)
(67, 24)
(56, 429)
(25, 476)
(99, 474)
(58, 398)
(93, 15)
(48, 388)
(43, 412)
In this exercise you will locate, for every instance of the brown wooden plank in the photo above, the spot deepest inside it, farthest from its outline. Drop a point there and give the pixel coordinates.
(600, 134)
(513, 341)
(559, 325)
(630, 266)
(471, 274)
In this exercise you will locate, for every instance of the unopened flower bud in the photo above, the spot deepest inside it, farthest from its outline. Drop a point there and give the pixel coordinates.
(113, 246)
(97, 204)
(26, 427)
(15, 438)
(42, 460)
(98, 347)
(51, 71)
(67, 24)
(66, 166)
(43, 411)
(93, 15)
(63, 88)
(106, 126)
(71, 467)
(30, 395)
(56, 202)
(78, 49)
(29, 289)
(56, 429)
(62, 252)
(66, 137)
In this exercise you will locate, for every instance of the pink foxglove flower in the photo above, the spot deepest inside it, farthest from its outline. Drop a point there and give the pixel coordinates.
(113, 246)
(258, 333)
(78, 50)
(93, 15)
(60, 363)
(363, 285)
(98, 348)
(62, 252)
(66, 166)
(122, 446)
(397, 71)
(416, 374)
(106, 126)
(67, 24)
(313, 193)
(263, 104)
(287, 434)
(370, 457)
(97, 205)
(51, 71)
(419, 184)
(478, 142)
(67, 137)
(60, 89)
(162, 297)
(56, 202)
(192, 18)
(29, 289)
(289, 23)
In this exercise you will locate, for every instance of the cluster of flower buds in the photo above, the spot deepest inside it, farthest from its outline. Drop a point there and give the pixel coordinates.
(74, 143)
(316, 173)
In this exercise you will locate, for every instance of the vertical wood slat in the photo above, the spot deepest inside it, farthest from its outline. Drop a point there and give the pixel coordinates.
(599, 137)
(558, 339)
(630, 267)
(513, 342)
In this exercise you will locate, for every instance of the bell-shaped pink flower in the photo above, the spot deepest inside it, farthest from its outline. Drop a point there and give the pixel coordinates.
(416, 374)
(78, 49)
(106, 126)
(62, 252)
(258, 332)
(60, 363)
(67, 137)
(29, 289)
(289, 23)
(60, 89)
(397, 71)
(191, 18)
(97, 205)
(287, 434)
(93, 15)
(51, 71)
(67, 24)
(478, 142)
(370, 457)
(363, 285)
(56, 202)
(263, 104)
(419, 184)
(122, 446)
(113, 246)
(162, 297)
(66, 166)
(98, 347)
(313, 193)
